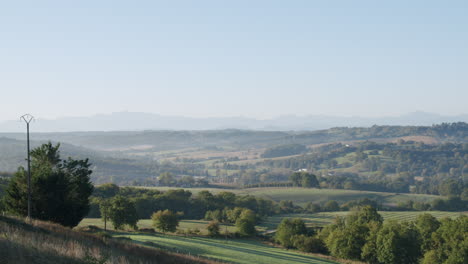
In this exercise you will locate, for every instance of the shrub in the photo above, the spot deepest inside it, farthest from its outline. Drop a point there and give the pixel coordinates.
(309, 244)
(213, 228)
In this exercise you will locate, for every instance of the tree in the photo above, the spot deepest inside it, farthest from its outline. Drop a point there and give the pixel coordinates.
(233, 214)
(309, 180)
(369, 250)
(213, 228)
(438, 204)
(398, 243)
(451, 187)
(60, 189)
(296, 179)
(287, 229)
(365, 215)
(105, 208)
(331, 206)
(106, 190)
(246, 223)
(426, 225)
(166, 179)
(449, 242)
(122, 212)
(347, 242)
(215, 215)
(187, 181)
(312, 207)
(304, 179)
(351, 238)
(166, 221)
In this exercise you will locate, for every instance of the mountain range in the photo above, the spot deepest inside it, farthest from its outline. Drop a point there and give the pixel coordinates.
(134, 121)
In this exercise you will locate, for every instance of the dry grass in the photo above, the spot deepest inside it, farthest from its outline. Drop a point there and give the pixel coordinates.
(44, 242)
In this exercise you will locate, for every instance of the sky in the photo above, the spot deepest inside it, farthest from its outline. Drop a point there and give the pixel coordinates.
(252, 58)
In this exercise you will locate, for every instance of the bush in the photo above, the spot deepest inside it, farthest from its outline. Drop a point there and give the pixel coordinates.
(213, 228)
(147, 230)
(309, 244)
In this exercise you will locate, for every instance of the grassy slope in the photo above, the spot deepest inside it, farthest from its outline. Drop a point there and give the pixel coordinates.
(48, 243)
(324, 218)
(232, 251)
(301, 196)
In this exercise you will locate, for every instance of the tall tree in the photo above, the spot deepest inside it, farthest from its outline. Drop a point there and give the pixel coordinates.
(166, 221)
(351, 238)
(122, 212)
(426, 225)
(287, 229)
(105, 209)
(398, 243)
(60, 188)
(449, 242)
(246, 223)
(309, 180)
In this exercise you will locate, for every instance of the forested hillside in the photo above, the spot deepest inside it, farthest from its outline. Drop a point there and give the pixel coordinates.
(388, 158)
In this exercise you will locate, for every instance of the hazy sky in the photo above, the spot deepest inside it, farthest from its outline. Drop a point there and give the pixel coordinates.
(233, 58)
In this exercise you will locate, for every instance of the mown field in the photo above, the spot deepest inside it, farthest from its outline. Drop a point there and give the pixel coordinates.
(146, 223)
(240, 251)
(324, 218)
(244, 251)
(302, 196)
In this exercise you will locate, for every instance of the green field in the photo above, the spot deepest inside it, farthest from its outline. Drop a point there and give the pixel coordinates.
(324, 218)
(146, 223)
(242, 251)
(302, 196)
(245, 251)
(239, 251)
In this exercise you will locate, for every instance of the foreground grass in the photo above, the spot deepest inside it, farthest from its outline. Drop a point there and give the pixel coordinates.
(302, 196)
(325, 218)
(232, 251)
(47, 243)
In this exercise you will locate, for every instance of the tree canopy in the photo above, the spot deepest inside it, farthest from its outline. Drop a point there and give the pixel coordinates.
(60, 188)
(122, 212)
(166, 221)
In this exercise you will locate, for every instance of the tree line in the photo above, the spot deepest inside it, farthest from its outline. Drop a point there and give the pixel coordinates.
(193, 206)
(364, 236)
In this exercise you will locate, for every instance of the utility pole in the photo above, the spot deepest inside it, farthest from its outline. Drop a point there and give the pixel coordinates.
(28, 118)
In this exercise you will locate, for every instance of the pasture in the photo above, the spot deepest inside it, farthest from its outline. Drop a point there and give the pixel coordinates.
(240, 251)
(302, 196)
(184, 225)
(325, 218)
